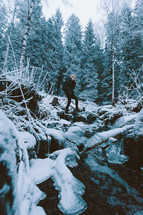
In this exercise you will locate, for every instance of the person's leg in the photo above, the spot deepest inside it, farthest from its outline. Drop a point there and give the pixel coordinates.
(68, 104)
(76, 101)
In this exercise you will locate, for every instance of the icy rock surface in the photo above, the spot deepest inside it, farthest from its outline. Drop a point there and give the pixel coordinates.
(125, 120)
(138, 127)
(18, 195)
(28, 139)
(114, 155)
(8, 173)
(70, 188)
(41, 169)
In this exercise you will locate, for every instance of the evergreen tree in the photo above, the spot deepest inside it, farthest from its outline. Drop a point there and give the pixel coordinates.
(3, 25)
(57, 62)
(35, 46)
(90, 65)
(138, 34)
(15, 33)
(112, 51)
(125, 48)
(106, 77)
(54, 51)
(73, 48)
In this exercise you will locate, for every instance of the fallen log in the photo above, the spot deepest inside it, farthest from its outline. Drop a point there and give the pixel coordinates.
(102, 137)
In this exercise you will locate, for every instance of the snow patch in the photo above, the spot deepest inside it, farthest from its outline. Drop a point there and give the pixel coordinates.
(41, 169)
(27, 139)
(70, 188)
(124, 120)
(56, 134)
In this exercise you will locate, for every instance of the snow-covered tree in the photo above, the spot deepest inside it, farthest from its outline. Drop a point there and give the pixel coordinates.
(58, 49)
(35, 46)
(3, 26)
(105, 78)
(124, 48)
(113, 9)
(112, 34)
(54, 50)
(89, 79)
(73, 47)
(138, 34)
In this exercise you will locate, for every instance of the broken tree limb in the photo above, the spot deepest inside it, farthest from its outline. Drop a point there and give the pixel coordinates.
(102, 137)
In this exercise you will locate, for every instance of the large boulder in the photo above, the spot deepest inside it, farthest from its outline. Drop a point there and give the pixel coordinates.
(8, 166)
(75, 136)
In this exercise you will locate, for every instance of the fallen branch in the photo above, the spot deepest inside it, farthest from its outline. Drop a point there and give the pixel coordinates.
(103, 137)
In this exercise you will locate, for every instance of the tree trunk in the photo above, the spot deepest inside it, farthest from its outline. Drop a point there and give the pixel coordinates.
(6, 56)
(8, 39)
(27, 29)
(113, 77)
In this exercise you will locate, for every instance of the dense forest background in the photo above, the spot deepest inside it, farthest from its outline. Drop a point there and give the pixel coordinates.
(48, 50)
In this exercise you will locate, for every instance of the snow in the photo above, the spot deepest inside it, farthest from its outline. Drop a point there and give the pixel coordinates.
(69, 187)
(41, 169)
(59, 123)
(8, 147)
(28, 139)
(29, 194)
(102, 137)
(76, 135)
(37, 211)
(76, 130)
(124, 120)
(57, 134)
(113, 153)
(138, 127)
(25, 193)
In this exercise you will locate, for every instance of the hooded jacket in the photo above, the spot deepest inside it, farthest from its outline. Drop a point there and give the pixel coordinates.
(68, 86)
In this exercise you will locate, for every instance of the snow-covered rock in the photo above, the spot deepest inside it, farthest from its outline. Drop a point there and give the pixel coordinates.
(125, 120)
(27, 139)
(138, 127)
(41, 169)
(18, 194)
(113, 152)
(69, 187)
(75, 135)
(9, 199)
(56, 134)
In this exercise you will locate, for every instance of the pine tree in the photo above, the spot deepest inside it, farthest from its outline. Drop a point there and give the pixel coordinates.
(89, 79)
(138, 34)
(106, 77)
(58, 64)
(54, 51)
(125, 48)
(3, 25)
(73, 48)
(35, 45)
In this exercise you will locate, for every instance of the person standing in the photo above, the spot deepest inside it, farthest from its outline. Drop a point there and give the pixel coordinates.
(68, 88)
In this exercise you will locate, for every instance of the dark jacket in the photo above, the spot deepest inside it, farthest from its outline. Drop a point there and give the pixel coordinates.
(68, 86)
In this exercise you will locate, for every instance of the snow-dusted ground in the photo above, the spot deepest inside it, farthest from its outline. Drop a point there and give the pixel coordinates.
(72, 134)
